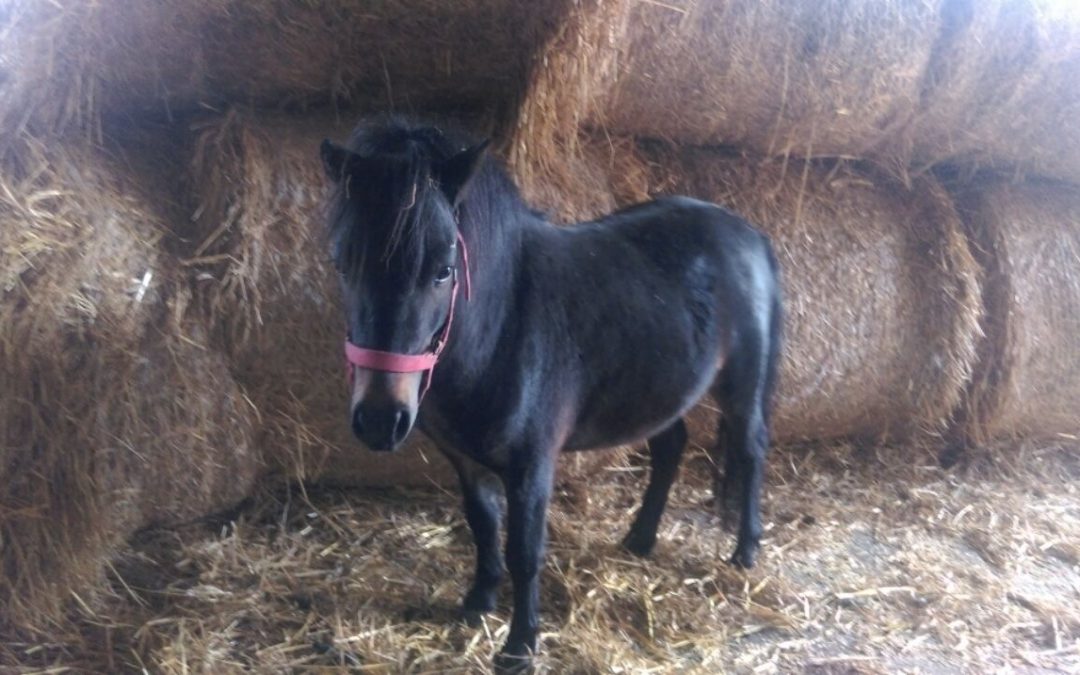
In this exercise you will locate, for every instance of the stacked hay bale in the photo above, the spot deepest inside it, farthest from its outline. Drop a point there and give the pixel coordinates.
(131, 334)
(184, 426)
(1001, 90)
(809, 79)
(569, 72)
(67, 63)
(110, 419)
(1027, 238)
(905, 84)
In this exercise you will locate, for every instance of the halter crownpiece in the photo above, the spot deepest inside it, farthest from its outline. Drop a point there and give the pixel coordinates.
(392, 362)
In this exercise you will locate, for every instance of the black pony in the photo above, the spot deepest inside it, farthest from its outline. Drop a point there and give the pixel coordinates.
(592, 335)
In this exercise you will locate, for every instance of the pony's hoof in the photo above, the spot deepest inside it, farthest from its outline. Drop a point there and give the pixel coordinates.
(473, 618)
(951, 455)
(639, 545)
(744, 556)
(724, 506)
(513, 661)
(473, 611)
(476, 604)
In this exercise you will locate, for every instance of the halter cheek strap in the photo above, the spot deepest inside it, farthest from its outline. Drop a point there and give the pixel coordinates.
(392, 362)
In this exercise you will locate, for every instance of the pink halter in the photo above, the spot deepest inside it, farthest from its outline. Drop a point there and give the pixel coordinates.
(392, 362)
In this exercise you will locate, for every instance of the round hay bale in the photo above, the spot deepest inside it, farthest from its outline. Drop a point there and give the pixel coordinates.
(1001, 90)
(568, 74)
(882, 294)
(110, 420)
(259, 263)
(835, 78)
(174, 430)
(1027, 239)
(74, 248)
(65, 63)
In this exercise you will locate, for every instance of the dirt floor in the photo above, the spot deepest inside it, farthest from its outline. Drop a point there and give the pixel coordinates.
(874, 561)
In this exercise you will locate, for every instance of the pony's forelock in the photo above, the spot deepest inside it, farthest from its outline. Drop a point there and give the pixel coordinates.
(405, 159)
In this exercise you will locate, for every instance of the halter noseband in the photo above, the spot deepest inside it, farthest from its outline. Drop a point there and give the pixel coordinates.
(392, 362)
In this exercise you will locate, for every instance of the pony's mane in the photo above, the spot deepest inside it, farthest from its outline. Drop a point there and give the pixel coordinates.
(396, 135)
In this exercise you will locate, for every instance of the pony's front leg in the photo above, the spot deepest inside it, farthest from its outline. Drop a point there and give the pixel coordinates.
(528, 491)
(481, 491)
(483, 512)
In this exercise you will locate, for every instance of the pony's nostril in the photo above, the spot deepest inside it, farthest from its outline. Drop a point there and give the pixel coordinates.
(357, 422)
(402, 424)
(381, 428)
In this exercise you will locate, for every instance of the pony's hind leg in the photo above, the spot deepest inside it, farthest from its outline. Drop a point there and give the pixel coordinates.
(665, 452)
(725, 480)
(742, 391)
(746, 446)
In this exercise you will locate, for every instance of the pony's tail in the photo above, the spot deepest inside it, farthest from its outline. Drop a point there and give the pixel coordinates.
(776, 339)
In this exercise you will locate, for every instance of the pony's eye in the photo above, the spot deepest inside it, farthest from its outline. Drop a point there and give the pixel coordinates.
(444, 275)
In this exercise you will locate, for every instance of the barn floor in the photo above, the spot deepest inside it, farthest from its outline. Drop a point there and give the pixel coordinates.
(874, 561)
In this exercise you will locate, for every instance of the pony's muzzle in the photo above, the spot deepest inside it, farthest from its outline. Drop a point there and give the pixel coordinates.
(382, 428)
(383, 407)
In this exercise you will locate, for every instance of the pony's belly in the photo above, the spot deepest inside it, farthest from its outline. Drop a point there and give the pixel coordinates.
(590, 438)
(632, 422)
(648, 399)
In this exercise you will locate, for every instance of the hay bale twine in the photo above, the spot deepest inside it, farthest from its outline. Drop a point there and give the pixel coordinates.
(882, 293)
(1001, 90)
(67, 62)
(259, 262)
(1027, 239)
(836, 78)
(99, 437)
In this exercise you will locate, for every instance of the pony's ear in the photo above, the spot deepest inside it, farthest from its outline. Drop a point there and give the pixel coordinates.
(334, 158)
(456, 172)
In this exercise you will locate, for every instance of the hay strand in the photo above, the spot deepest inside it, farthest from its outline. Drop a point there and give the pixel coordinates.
(870, 562)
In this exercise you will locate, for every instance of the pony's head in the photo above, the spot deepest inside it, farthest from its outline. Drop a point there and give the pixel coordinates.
(397, 248)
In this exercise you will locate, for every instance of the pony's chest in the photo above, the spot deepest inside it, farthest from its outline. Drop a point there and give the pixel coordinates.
(458, 441)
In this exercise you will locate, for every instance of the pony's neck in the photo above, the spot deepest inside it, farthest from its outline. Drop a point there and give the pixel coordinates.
(493, 221)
